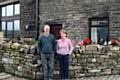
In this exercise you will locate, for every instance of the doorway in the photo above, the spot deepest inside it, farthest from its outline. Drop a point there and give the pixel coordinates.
(55, 29)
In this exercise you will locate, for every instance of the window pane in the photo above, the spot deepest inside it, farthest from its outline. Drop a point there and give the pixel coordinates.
(94, 34)
(103, 33)
(10, 10)
(99, 33)
(3, 11)
(17, 9)
(9, 26)
(3, 26)
(17, 25)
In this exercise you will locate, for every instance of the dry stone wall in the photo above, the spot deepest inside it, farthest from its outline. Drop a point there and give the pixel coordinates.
(92, 60)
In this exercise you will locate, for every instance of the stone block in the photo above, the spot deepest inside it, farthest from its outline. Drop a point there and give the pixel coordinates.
(92, 47)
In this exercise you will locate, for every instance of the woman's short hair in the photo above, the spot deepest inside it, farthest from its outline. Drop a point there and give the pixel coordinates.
(64, 31)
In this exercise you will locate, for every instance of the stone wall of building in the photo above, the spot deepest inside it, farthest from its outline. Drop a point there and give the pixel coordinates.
(75, 13)
(2, 0)
(27, 17)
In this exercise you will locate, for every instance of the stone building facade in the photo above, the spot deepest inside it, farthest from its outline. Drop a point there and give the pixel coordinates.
(74, 15)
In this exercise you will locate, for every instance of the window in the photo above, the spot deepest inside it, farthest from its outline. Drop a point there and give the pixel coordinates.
(17, 25)
(3, 26)
(9, 29)
(94, 36)
(103, 33)
(99, 29)
(9, 10)
(3, 11)
(9, 26)
(11, 20)
(98, 33)
(17, 9)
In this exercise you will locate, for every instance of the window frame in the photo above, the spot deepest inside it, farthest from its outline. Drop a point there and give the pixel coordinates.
(104, 25)
(12, 18)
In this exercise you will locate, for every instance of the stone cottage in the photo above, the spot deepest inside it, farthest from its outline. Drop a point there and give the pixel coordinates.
(97, 19)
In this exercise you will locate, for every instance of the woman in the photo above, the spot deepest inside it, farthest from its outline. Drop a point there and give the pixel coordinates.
(64, 49)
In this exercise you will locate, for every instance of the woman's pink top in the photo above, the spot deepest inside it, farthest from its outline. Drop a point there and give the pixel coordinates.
(64, 46)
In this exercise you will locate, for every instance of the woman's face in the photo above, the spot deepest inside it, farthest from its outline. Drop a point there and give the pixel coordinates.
(62, 34)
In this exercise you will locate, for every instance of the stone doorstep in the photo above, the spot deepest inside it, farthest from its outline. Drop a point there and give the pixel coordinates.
(1, 74)
(4, 76)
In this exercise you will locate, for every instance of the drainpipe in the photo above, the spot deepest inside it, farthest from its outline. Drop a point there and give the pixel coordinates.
(37, 19)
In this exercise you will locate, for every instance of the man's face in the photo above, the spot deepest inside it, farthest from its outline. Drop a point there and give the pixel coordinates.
(46, 28)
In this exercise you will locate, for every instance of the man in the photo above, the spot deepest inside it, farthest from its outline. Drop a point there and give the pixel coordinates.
(46, 45)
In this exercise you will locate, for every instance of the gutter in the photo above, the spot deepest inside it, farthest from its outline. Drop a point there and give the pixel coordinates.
(8, 2)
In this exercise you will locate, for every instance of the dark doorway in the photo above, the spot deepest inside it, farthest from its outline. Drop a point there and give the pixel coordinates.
(55, 29)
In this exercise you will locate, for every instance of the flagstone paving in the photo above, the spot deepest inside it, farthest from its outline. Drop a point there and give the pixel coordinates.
(5, 76)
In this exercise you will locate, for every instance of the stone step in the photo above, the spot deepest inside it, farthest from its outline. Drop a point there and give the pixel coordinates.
(4, 76)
